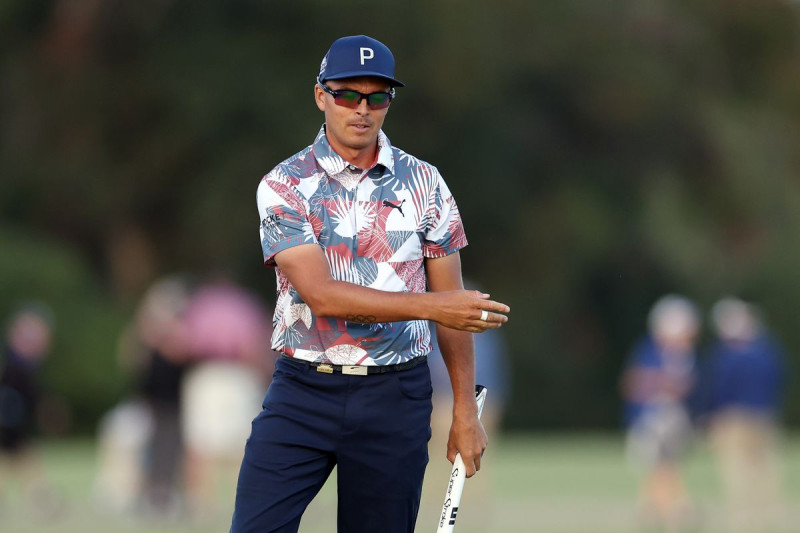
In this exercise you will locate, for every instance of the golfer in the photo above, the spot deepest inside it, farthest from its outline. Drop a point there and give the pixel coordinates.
(364, 239)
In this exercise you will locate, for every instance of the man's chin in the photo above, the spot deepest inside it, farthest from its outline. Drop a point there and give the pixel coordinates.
(359, 142)
(355, 141)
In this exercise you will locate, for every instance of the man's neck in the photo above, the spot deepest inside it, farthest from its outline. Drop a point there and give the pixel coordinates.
(365, 158)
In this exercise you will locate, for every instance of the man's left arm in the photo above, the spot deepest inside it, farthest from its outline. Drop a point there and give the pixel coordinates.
(467, 435)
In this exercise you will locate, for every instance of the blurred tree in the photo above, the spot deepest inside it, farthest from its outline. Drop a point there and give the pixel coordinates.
(81, 370)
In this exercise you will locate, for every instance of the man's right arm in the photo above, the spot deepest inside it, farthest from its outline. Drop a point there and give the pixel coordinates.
(307, 269)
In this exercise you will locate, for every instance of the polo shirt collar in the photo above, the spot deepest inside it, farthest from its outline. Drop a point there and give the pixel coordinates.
(332, 163)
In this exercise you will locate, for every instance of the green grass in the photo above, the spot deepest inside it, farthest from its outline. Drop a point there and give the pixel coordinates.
(530, 484)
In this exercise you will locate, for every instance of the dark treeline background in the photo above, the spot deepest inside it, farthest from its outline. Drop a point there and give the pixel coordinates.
(602, 153)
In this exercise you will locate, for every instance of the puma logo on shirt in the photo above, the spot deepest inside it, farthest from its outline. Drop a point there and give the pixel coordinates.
(399, 207)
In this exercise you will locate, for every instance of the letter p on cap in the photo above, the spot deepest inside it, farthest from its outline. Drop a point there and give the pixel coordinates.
(366, 53)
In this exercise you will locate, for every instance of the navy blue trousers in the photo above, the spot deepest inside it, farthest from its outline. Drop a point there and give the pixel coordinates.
(374, 429)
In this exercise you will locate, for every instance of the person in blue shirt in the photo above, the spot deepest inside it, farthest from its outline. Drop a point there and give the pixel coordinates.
(656, 385)
(740, 402)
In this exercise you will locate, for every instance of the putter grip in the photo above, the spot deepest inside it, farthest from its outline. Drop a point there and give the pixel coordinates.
(458, 475)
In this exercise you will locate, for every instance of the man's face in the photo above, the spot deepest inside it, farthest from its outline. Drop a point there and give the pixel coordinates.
(352, 130)
(30, 336)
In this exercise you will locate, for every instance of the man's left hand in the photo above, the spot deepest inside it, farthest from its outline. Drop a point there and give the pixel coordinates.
(468, 438)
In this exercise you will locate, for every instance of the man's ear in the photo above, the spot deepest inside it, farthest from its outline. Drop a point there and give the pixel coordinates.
(319, 97)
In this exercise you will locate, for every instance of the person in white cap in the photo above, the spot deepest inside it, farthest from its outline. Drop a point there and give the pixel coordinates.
(656, 386)
(364, 239)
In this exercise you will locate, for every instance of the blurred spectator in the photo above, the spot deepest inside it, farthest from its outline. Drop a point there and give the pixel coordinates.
(491, 371)
(141, 452)
(123, 437)
(656, 385)
(225, 332)
(157, 322)
(201, 356)
(27, 343)
(742, 385)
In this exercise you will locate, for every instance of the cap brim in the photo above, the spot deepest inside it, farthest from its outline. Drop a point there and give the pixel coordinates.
(360, 73)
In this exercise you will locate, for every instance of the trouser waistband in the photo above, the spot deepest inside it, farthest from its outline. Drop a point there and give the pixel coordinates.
(358, 370)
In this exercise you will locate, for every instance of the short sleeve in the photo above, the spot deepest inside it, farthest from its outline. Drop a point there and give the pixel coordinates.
(284, 219)
(444, 234)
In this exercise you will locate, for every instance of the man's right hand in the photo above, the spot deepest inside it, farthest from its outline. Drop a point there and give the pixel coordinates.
(462, 309)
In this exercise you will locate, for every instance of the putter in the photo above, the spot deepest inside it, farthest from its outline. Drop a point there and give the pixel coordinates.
(458, 475)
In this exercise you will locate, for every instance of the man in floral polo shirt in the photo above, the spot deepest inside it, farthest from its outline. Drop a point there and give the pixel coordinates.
(364, 239)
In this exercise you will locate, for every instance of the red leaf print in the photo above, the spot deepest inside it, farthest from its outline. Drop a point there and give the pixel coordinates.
(412, 273)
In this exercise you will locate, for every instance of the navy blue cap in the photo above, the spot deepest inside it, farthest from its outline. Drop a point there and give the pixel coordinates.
(358, 55)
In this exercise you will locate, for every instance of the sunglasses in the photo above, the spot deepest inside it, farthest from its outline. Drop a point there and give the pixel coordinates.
(352, 99)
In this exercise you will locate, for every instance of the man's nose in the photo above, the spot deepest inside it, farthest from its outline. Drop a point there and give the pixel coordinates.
(362, 108)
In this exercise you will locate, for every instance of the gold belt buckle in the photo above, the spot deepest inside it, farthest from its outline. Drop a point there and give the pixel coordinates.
(327, 369)
(357, 370)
